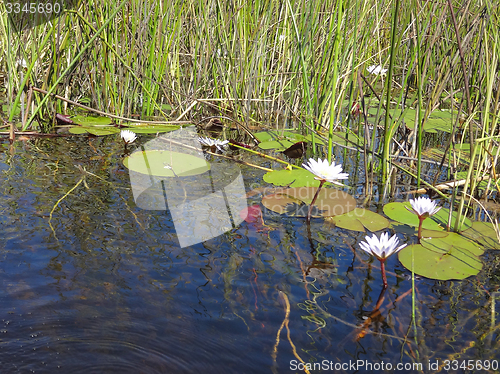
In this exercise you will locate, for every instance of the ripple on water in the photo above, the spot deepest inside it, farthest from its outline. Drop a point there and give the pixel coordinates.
(67, 337)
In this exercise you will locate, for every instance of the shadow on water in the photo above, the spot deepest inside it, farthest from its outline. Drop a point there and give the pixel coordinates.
(114, 292)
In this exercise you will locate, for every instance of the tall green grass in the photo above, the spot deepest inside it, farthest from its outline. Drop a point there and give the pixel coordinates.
(296, 63)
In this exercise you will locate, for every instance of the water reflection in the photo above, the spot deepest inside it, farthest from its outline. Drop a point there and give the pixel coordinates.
(114, 291)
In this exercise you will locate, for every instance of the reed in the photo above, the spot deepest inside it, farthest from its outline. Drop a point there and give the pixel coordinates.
(296, 63)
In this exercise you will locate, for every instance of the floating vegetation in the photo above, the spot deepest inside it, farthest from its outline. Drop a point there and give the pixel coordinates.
(361, 219)
(101, 126)
(295, 202)
(163, 163)
(278, 140)
(406, 101)
(439, 120)
(98, 126)
(399, 213)
(150, 128)
(451, 257)
(292, 178)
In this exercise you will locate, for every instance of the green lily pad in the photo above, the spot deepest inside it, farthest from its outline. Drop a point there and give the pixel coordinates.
(277, 145)
(292, 178)
(359, 219)
(484, 234)
(452, 243)
(318, 140)
(437, 121)
(413, 231)
(398, 212)
(94, 130)
(146, 128)
(461, 157)
(441, 217)
(6, 108)
(295, 202)
(78, 130)
(92, 121)
(265, 136)
(278, 140)
(98, 126)
(165, 163)
(482, 185)
(436, 261)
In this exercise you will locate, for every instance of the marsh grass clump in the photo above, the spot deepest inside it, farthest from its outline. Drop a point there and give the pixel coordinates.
(300, 63)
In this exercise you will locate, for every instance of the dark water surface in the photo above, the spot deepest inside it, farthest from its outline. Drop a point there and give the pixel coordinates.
(109, 290)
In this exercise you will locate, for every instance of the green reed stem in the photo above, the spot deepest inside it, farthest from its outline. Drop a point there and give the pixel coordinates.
(334, 79)
(75, 59)
(388, 125)
(420, 120)
(305, 80)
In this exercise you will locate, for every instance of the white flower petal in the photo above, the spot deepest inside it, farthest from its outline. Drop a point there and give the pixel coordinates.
(324, 171)
(381, 248)
(376, 70)
(219, 144)
(128, 136)
(424, 206)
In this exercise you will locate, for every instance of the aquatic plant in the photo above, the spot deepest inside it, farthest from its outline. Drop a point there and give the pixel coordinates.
(423, 207)
(214, 143)
(376, 70)
(324, 172)
(128, 136)
(381, 248)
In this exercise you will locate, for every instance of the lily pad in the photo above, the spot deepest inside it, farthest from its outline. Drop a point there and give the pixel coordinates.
(92, 121)
(265, 136)
(280, 203)
(462, 157)
(166, 163)
(252, 214)
(292, 178)
(359, 219)
(456, 241)
(441, 217)
(439, 120)
(318, 140)
(278, 145)
(94, 130)
(482, 185)
(434, 264)
(98, 126)
(453, 257)
(278, 140)
(147, 128)
(398, 212)
(413, 231)
(295, 202)
(484, 234)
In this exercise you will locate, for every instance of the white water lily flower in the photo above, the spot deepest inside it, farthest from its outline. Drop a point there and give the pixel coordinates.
(128, 136)
(423, 207)
(22, 63)
(381, 248)
(376, 69)
(324, 171)
(219, 144)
